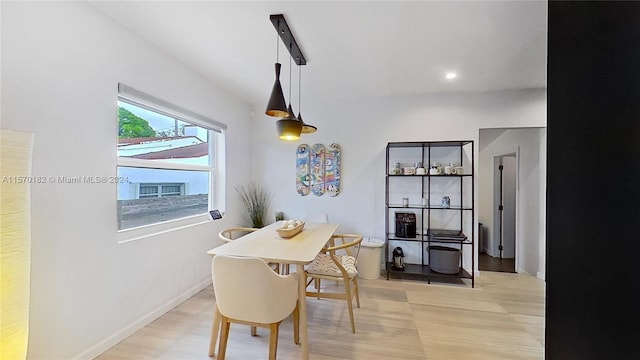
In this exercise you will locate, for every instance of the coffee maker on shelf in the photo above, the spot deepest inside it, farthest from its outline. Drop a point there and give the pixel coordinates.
(405, 224)
(398, 259)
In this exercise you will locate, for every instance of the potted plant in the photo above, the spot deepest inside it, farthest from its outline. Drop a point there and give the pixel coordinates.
(256, 200)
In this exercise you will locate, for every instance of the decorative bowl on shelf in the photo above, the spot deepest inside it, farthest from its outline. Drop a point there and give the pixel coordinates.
(288, 232)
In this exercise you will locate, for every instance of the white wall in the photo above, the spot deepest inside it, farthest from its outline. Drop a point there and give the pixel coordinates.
(528, 144)
(363, 130)
(542, 210)
(61, 63)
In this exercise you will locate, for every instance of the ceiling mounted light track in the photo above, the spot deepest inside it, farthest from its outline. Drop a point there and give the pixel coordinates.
(286, 35)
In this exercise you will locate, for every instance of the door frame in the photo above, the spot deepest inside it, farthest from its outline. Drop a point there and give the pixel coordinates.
(496, 201)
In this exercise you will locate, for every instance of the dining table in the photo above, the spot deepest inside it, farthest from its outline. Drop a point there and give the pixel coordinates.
(297, 250)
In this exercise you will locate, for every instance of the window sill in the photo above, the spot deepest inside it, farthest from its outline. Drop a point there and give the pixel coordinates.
(148, 231)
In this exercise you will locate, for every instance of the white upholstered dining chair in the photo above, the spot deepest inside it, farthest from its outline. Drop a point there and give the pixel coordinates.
(248, 292)
(337, 262)
(230, 234)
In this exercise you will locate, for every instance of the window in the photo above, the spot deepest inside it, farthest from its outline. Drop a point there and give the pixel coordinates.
(159, 190)
(166, 161)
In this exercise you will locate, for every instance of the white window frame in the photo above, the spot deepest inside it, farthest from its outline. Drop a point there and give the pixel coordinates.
(215, 168)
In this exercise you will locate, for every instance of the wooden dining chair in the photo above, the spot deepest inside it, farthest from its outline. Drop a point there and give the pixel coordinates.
(248, 292)
(337, 262)
(313, 216)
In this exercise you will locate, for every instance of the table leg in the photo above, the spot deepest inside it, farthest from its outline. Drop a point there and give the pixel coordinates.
(302, 296)
(215, 329)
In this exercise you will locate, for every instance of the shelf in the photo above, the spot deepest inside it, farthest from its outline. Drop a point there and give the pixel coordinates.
(446, 234)
(429, 144)
(425, 238)
(432, 207)
(433, 176)
(419, 237)
(425, 270)
(437, 223)
(449, 241)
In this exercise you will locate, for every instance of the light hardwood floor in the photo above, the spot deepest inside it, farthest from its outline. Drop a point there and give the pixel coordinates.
(501, 318)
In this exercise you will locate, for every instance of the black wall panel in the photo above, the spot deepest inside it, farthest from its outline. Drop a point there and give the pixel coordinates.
(593, 181)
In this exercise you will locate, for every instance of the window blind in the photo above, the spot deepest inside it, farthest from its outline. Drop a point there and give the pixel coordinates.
(141, 99)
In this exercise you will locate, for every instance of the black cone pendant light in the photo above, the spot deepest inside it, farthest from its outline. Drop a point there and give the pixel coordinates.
(277, 106)
(306, 128)
(289, 128)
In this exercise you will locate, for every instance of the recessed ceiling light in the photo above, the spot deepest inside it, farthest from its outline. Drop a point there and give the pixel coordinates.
(451, 75)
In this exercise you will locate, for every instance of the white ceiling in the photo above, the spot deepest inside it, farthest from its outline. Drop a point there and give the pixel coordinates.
(357, 49)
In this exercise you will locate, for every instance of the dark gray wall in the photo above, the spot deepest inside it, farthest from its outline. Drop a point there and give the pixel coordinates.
(593, 181)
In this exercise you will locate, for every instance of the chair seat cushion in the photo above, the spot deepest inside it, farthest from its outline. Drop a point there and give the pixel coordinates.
(323, 265)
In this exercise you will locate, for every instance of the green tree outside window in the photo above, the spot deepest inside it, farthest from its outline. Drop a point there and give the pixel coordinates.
(132, 126)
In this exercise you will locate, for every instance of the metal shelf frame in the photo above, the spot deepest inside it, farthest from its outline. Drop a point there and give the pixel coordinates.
(464, 240)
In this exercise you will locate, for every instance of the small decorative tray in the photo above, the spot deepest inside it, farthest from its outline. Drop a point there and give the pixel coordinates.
(287, 233)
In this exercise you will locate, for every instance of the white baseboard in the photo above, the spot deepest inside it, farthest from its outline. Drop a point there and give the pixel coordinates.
(540, 275)
(145, 320)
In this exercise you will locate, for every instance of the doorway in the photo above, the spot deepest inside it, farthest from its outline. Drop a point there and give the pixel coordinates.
(521, 152)
(500, 254)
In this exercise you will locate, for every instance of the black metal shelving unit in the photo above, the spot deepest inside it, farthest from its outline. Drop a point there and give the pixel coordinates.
(458, 232)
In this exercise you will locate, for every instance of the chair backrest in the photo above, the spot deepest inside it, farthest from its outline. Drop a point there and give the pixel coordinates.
(316, 216)
(349, 244)
(247, 289)
(227, 235)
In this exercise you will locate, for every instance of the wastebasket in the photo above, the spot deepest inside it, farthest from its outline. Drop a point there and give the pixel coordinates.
(370, 258)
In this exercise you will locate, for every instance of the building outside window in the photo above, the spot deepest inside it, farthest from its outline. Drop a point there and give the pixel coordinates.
(166, 161)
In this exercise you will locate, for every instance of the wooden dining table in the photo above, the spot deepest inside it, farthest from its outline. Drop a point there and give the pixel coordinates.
(298, 250)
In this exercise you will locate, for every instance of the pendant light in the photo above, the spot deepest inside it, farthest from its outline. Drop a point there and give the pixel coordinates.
(306, 128)
(276, 106)
(289, 128)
